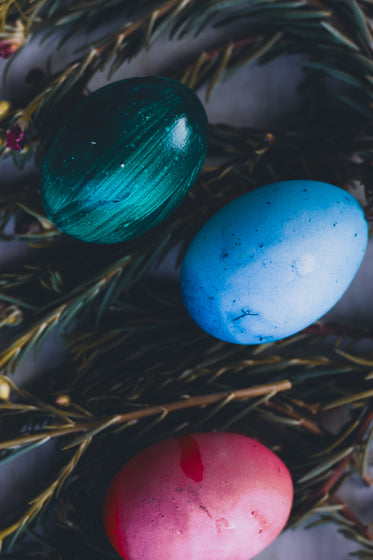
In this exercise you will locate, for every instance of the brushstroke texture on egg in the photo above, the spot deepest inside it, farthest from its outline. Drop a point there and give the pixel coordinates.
(273, 261)
(218, 496)
(124, 159)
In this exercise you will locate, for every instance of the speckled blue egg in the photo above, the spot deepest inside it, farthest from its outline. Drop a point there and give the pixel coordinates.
(123, 159)
(273, 261)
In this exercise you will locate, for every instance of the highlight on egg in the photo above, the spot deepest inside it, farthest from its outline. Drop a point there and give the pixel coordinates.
(273, 261)
(123, 159)
(222, 496)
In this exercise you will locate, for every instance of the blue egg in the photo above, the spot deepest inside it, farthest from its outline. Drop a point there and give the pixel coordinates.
(273, 261)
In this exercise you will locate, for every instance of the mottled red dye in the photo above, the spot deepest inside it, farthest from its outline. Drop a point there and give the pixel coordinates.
(206, 496)
(8, 47)
(114, 513)
(191, 461)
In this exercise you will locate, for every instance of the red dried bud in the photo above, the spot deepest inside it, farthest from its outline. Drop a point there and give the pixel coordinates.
(12, 39)
(63, 400)
(8, 47)
(15, 138)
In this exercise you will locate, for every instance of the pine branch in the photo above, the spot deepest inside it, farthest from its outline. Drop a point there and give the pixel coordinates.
(347, 63)
(91, 427)
(67, 309)
(149, 326)
(335, 454)
(40, 501)
(143, 350)
(220, 63)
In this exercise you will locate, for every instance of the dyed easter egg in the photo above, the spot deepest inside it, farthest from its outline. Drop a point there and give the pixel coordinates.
(211, 495)
(124, 159)
(273, 261)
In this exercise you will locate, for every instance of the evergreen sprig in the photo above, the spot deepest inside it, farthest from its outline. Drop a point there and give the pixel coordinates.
(317, 30)
(137, 368)
(318, 462)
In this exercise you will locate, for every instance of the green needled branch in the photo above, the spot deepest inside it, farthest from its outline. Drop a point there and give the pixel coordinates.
(91, 427)
(137, 369)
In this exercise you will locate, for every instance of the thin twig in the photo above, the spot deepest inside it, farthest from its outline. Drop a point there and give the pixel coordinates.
(96, 425)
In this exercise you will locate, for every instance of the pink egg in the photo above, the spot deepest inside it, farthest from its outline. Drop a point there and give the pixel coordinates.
(209, 496)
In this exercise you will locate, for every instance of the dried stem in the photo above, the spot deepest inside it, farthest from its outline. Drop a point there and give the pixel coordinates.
(95, 425)
(326, 488)
(346, 511)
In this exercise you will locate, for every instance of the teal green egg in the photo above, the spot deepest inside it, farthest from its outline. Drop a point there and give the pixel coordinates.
(124, 159)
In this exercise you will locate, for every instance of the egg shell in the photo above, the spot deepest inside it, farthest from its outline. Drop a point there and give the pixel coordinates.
(222, 496)
(123, 159)
(273, 261)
